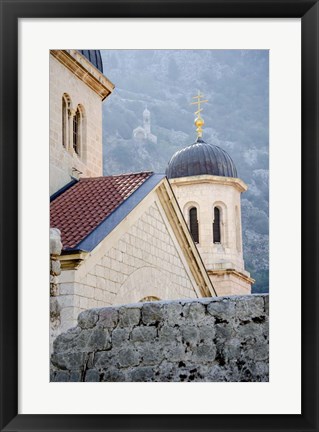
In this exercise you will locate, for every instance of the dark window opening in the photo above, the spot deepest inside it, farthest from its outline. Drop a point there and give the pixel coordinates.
(216, 225)
(193, 224)
(76, 130)
(64, 122)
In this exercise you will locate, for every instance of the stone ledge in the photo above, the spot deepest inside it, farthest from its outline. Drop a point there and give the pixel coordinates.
(211, 339)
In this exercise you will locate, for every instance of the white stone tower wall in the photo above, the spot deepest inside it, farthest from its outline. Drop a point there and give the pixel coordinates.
(62, 160)
(224, 193)
(205, 197)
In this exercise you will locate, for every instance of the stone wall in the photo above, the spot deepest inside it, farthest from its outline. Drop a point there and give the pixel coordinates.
(215, 339)
(55, 271)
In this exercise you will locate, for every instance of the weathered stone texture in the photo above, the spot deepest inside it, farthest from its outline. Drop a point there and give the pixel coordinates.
(216, 339)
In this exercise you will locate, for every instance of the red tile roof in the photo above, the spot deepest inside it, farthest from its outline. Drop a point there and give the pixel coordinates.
(80, 209)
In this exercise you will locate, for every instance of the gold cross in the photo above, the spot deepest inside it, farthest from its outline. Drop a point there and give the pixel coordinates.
(199, 122)
(198, 102)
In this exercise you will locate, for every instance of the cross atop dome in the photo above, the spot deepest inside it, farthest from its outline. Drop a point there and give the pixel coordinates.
(199, 122)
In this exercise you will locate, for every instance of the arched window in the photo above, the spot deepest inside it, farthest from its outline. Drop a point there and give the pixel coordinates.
(149, 299)
(216, 226)
(193, 224)
(76, 131)
(66, 103)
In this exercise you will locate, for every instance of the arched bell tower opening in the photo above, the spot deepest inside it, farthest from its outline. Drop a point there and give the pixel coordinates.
(193, 224)
(216, 226)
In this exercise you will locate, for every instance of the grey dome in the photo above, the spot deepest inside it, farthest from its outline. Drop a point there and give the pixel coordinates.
(201, 158)
(94, 56)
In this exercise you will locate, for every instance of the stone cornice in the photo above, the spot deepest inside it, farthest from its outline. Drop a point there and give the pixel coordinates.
(228, 181)
(85, 71)
(232, 272)
(71, 261)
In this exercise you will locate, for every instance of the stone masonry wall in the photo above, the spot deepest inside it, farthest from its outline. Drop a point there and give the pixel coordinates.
(214, 339)
(143, 262)
(55, 271)
(62, 80)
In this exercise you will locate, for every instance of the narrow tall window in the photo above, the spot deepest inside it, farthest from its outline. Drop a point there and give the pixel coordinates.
(216, 225)
(76, 131)
(193, 224)
(65, 120)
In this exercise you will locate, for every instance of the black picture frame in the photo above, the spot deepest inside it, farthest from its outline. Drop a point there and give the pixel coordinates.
(11, 11)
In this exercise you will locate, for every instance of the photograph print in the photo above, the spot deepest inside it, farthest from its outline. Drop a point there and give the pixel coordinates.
(159, 215)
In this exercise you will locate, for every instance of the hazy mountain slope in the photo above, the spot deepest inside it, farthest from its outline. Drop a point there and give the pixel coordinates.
(236, 119)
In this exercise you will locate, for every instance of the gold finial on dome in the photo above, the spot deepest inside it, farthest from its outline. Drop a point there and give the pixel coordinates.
(199, 122)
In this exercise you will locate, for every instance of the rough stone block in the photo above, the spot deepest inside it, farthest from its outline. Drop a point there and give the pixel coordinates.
(172, 312)
(88, 318)
(167, 334)
(207, 332)
(113, 375)
(223, 332)
(120, 336)
(108, 318)
(175, 352)
(194, 311)
(216, 374)
(128, 357)
(259, 352)
(62, 342)
(69, 361)
(129, 317)
(75, 376)
(62, 376)
(248, 329)
(141, 374)
(205, 352)
(152, 313)
(54, 307)
(151, 354)
(143, 334)
(55, 241)
(102, 360)
(55, 267)
(249, 306)
(190, 334)
(92, 375)
(224, 309)
(99, 339)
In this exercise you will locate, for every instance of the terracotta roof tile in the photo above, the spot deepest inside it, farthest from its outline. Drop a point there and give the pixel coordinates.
(82, 207)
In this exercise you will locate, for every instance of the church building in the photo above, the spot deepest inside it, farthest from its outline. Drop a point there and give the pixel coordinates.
(143, 133)
(124, 238)
(137, 236)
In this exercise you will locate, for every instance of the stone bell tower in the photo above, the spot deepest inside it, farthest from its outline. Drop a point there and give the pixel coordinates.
(205, 181)
(147, 121)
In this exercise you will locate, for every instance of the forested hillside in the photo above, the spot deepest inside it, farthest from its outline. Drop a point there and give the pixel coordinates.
(236, 119)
